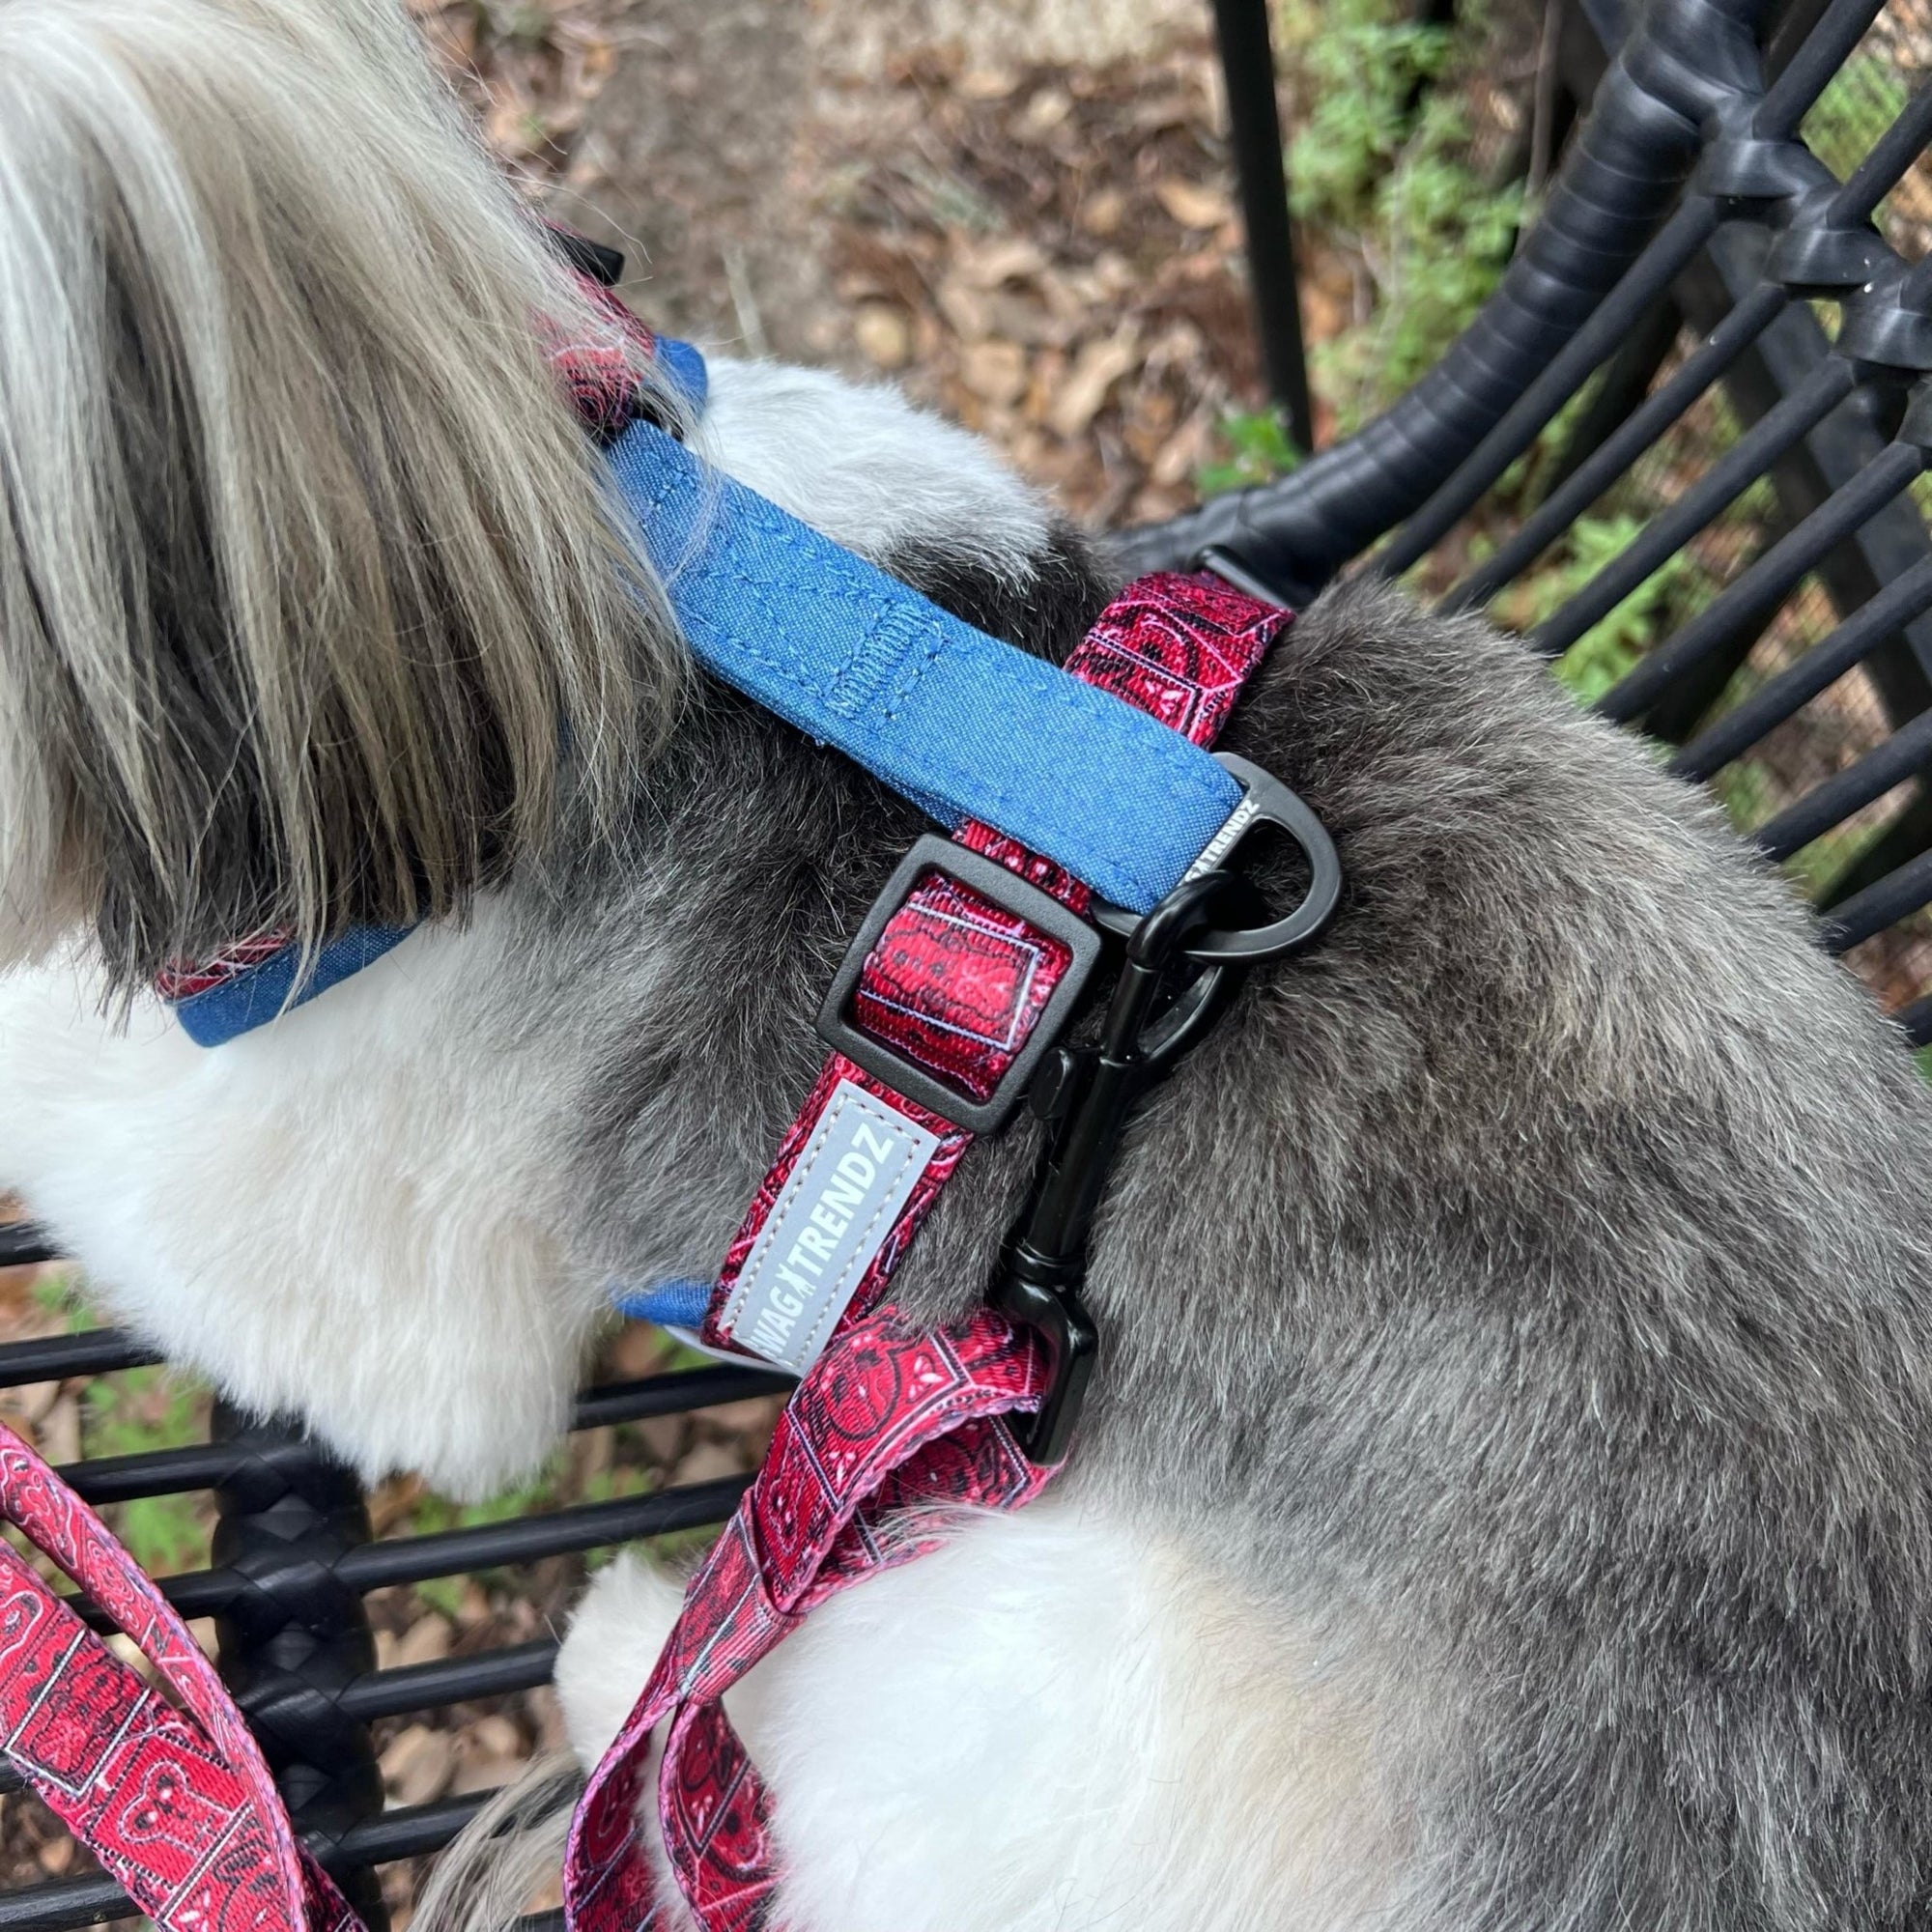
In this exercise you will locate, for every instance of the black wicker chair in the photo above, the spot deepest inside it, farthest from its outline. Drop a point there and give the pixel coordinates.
(1692, 241)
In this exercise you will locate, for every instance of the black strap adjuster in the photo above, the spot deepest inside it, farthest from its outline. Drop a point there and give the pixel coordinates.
(1006, 890)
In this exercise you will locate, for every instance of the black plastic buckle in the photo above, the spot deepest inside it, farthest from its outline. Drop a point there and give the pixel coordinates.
(992, 881)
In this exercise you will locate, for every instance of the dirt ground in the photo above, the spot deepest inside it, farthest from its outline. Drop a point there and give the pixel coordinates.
(1019, 212)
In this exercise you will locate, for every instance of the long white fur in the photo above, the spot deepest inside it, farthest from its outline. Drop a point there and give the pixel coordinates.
(1170, 1755)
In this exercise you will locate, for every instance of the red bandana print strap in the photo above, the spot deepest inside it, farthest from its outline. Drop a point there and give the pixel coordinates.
(178, 1805)
(885, 1423)
(956, 983)
(600, 367)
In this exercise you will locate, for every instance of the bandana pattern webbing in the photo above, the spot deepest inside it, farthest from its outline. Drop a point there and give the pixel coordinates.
(957, 985)
(887, 1429)
(178, 1805)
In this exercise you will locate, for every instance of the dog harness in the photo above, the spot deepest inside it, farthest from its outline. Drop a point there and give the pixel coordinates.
(1084, 817)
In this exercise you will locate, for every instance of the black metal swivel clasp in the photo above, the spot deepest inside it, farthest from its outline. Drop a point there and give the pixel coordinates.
(1165, 1004)
(1185, 961)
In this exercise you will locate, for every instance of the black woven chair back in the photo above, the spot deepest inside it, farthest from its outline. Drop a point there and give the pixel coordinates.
(1700, 391)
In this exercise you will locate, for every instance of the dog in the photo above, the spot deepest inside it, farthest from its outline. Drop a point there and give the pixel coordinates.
(1503, 1500)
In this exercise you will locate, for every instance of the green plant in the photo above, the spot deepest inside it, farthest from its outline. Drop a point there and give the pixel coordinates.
(1380, 160)
(138, 1410)
(1360, 64)
(1259, 448)
(1861, 101)
(1612, 645)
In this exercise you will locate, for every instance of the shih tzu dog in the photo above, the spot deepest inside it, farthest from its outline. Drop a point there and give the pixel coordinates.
(1506, 1497)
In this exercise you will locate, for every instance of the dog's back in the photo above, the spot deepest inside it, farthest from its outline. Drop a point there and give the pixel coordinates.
(1525, 1292)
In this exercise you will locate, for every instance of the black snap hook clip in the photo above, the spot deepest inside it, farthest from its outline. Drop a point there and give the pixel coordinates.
(1159, 1011)
(1265, 801)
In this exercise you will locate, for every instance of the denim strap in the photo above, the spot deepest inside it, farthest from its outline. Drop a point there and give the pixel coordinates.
(965, 726)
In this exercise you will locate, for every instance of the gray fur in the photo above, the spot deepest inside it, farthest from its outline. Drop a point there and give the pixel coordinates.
(1529, 1284)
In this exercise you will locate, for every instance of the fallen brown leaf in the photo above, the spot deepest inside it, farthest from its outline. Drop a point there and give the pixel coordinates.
(1192, 205)
(884, 336)
(417, 1766)
(994, 371)
(663, 1436)
(59, 1431)
(424, 1641)
(1096, 368)
(708, 1462)
(1004, 257)
(1102, 214)
(986, 84)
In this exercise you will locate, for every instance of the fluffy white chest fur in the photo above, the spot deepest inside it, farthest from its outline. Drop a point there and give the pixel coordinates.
(1085, 1731)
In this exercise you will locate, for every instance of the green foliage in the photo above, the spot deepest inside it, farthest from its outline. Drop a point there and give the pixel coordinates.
(1380, 160)
(142, 1410)
(526, 24)
(1362, 63)
(1612, 647)
(1859, 102)
(1450, 239)
(1259, 448)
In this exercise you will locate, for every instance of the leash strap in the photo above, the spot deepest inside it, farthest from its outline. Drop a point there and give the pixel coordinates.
(889, 1432)
(177, 1805)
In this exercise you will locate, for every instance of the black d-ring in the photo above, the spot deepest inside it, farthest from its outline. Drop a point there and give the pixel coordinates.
(1265, 801)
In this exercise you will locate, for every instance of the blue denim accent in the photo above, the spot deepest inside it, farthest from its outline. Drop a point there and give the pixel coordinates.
(671, 1305)
(685, 366)
(253, 998)
(963, 725)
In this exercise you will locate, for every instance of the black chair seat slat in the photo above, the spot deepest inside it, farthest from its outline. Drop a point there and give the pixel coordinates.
(49, 1358)
(63, 1903)
(1772, 577)
(1613, 458)
(1670, 529)
(449, 1553)
(1868, 627)
(407, 1832)
(451, 1679)
(22, 1243)
(674, 1394)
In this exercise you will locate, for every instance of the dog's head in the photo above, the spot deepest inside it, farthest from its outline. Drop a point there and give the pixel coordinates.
(311, 601)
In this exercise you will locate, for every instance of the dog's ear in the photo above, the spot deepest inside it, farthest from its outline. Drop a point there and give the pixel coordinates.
(313, 598)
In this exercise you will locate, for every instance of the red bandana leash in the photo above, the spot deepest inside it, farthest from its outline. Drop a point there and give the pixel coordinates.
(888, 1429)
(179, 1806)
